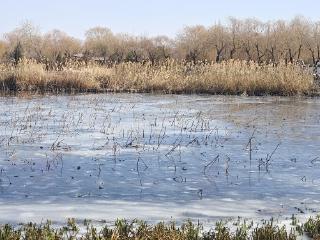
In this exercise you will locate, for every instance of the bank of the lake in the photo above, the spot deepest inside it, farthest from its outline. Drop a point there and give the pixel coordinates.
(232, 77)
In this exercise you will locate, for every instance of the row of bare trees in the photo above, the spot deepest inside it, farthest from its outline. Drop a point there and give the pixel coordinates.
(254, 40)
(249, 39)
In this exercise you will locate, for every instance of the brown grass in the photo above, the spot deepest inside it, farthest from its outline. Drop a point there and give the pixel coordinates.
(135, 230)
(229, 77)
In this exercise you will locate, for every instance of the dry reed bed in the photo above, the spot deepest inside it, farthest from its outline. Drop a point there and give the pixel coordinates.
(229, 77)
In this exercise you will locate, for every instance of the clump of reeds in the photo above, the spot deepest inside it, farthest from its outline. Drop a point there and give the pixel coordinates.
(28, 75)
(312, 227)
(230, 77)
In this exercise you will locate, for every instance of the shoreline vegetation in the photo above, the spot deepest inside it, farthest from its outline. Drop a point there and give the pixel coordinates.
(136, 229)
(242, 56)
(231, 77)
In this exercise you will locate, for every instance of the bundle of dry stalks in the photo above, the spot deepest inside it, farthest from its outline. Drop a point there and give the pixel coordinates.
(229, 77)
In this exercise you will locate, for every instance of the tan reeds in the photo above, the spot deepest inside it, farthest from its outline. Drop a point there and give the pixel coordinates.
(229, 77)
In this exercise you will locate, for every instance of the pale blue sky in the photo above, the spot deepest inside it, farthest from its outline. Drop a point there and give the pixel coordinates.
(146, 17)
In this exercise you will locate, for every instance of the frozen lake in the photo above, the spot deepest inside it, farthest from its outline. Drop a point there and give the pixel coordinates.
(157, 157)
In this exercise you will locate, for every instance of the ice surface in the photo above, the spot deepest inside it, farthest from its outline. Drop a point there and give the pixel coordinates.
(157, 157)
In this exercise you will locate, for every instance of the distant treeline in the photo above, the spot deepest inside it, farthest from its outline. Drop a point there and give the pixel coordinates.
(249, 39)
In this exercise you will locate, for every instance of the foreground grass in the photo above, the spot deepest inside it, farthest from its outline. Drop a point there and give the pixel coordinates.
(126, 230)
(230, 77)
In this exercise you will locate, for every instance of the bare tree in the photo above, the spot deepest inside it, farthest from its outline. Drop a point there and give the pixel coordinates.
(312, 41)
(163, 46)
(192, 43)
(218, 37)
(29, 37)
(252, 36)
(57, 45)
(234, 38)
(271, 41)
(293, 38)
(98, 42)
